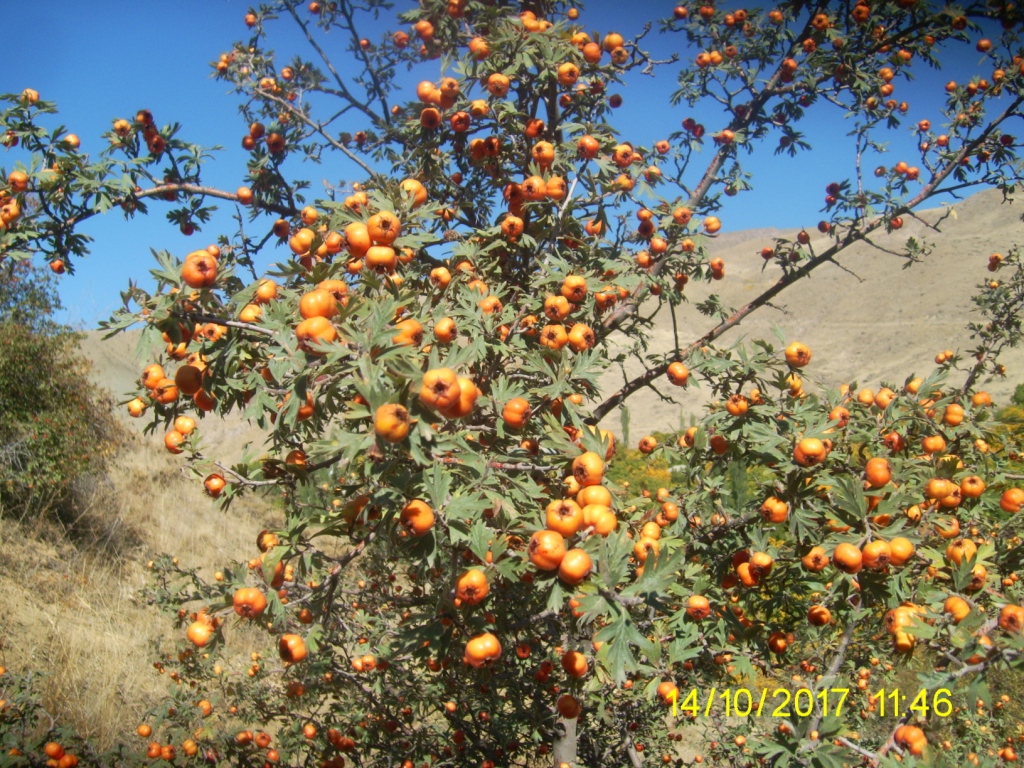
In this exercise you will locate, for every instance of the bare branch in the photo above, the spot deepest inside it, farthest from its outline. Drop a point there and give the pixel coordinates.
(203, 318)
(321, 130)
(344, 91)
(243, 480)
(858, 749)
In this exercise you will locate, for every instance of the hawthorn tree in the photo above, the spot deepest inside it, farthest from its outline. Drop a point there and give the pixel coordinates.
(454, 583)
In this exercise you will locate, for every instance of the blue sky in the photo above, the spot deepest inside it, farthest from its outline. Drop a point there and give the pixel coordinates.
(102, 60)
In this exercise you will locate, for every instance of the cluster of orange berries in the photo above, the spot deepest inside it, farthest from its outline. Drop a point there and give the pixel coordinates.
(157, 751)
(10, 208)
(144, 120)
(250, 603)
(368, 244)
(57, 757)
(547, 551)
(442, 391)
(18, 181)
(225, 60)
(258, 132)
(29, 96)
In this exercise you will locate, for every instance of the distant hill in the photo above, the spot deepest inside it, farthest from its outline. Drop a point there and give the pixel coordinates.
(873, 322)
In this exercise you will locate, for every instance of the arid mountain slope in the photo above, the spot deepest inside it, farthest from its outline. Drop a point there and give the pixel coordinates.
(870, 321)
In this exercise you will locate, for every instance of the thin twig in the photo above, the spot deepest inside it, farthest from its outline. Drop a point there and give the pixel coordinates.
(203, 318)
(345, 93)
(858, 749)
(320, 129)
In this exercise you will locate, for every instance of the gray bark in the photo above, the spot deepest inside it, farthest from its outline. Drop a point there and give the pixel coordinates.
(565, 742)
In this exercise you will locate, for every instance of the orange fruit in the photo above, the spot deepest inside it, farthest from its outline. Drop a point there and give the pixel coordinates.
(482, 649)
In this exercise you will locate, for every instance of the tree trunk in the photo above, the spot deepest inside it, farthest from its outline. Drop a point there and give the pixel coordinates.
(565, 742)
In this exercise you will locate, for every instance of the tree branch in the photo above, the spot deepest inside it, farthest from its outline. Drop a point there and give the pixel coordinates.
(344, 91)
(160, 189)
(202, 318)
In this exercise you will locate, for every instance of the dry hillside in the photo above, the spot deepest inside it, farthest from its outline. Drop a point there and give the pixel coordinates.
(873, 322)
(70, 595)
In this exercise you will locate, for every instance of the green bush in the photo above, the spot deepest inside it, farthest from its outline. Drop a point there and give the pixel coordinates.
(57, 427)
(1018, 395)
(643, 472)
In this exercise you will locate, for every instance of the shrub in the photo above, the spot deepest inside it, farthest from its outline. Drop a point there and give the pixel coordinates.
(57, 426)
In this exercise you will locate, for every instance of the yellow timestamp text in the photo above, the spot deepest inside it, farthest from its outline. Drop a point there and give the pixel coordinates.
(894, 703)
(782, 702)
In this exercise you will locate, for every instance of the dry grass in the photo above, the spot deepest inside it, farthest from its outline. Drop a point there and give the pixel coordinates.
(70, 587)
(70, 592)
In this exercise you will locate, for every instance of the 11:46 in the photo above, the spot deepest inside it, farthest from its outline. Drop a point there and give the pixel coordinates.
(893, 703)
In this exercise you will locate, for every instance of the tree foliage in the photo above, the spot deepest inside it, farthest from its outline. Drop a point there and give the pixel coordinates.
(424, 363)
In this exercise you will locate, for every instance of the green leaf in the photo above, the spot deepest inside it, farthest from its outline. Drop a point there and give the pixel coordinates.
(556, 598)
(313, 637)
(479, 538)
(618, 635)
(439, 487)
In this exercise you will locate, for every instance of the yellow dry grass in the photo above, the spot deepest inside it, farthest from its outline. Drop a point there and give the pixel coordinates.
(70, 595)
